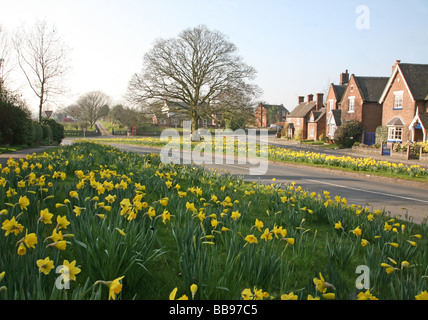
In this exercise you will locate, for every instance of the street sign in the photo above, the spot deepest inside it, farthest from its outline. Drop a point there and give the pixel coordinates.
(48, 113)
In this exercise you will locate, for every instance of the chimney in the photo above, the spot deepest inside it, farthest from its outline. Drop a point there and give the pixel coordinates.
(301, 99)
(320, 99)
(344, 78)
(396, 63)
(310, 97)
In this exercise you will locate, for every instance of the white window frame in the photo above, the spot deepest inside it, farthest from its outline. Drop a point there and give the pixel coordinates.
(398, 100)
(205, 123)
(332, 129)
(351, 106)
(395, 133)
(331, 101)
(312, 133)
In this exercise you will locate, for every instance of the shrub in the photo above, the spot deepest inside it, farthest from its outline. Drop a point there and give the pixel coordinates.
(56, 128)
(37, 133)
(15, 124)
(348, 133)
(47, 132)
(381, 134)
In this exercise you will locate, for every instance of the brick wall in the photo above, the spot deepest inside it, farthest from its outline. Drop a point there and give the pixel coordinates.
(372, 116)
(299, 124)
(407, 113)
(352, 91)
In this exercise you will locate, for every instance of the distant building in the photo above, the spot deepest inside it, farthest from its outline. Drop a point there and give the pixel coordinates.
(306, 112)
(267, 114)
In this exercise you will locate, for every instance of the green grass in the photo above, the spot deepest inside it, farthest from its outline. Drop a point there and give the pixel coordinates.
(8, 149)
(320, 144)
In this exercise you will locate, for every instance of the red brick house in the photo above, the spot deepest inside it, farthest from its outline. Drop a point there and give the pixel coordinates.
(405, 103)
(317, 124)
(304, 113)
(333, 112)
(360, 102)
(264, 116)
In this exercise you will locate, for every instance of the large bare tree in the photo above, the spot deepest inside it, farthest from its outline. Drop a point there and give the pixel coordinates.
(90, 107)
(201, 69)
(42, 57)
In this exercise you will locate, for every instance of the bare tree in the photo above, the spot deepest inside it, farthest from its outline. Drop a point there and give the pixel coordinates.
(4, 59)
(90, 107)
(42, 57)
(199, 68)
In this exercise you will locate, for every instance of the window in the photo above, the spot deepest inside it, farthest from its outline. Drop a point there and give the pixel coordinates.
(331, 104)
(398, 100)
(205, 123)
(332, 130)
(351, 104)
(298, 121)
(312, 134)
(395, 133)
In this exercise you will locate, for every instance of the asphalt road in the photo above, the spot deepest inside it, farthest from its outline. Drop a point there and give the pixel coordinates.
(395, 196)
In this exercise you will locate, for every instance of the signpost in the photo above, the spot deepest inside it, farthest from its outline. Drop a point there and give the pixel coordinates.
(48, 113)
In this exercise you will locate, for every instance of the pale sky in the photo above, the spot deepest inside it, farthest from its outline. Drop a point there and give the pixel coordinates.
(297, 47)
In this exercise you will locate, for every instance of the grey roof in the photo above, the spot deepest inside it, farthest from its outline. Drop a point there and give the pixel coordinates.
(339, 90)
(371, 88)
(424, 119)
(416, 76)
(302, 109)
(319, 114)
(337, 115)
(396, 121)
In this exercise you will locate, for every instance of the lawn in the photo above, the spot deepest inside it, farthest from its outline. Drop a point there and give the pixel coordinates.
(126, 226)
(8, 149)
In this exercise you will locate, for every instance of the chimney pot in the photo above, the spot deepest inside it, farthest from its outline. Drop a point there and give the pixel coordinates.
(310, 97)
(301, 99)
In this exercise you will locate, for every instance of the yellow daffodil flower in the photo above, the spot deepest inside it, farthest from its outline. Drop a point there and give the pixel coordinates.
(289, 296)
(45, 265)
(115, 287)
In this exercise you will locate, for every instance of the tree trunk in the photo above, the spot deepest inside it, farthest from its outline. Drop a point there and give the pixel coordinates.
(42, 94)
(195, 119)
(40, 110)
